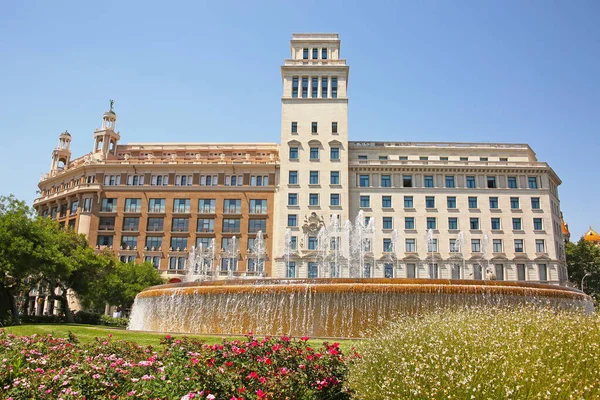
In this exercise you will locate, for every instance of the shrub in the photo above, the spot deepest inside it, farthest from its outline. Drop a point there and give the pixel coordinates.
(43, 367)
(111, 321)
(482, 353)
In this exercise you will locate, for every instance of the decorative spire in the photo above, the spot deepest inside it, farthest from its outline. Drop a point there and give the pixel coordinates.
(112, 103)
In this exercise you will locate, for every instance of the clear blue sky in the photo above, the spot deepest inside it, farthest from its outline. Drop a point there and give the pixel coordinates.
(494, 71)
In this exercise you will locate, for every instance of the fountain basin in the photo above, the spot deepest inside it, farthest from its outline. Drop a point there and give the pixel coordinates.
(339, 307)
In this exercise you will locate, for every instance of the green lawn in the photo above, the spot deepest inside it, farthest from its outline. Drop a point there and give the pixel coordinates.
(88, 333)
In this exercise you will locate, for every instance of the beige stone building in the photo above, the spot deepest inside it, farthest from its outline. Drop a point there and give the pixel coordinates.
(153, 201)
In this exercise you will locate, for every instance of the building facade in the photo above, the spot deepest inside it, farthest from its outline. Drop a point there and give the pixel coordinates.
(153, 202)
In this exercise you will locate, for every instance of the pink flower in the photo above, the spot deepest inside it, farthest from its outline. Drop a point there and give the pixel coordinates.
(260, 394)
(304, 338)
(96, 376)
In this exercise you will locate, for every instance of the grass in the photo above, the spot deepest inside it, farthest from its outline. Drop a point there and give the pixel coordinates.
(89, 333)
(482, 353)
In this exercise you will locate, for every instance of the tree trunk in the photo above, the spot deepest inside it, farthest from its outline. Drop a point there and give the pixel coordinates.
(12, 303)
(66, 308)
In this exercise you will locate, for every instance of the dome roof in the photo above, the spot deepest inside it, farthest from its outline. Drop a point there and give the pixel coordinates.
(65, 133)
(592, 236)
(110, 112)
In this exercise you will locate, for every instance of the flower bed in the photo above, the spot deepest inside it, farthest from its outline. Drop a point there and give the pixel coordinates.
(45, 367)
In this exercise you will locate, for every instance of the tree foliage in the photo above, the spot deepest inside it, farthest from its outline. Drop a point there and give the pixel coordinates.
(584, 257)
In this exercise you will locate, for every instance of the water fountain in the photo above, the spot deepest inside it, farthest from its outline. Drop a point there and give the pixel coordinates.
(343, 302)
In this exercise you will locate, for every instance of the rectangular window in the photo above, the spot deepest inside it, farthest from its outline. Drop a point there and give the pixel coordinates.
(386, 181)
(314, 153)
(387, 245)
(450, 181)
(431, 224)
(424, 158)
(472, 202)
(451, 202)
(334, 199)
(108, 205)
(535, 203)
(386, 201)
(403, 158)
(259, 180)
(497, 246)
(519, 246)
(452, 223)
(521, 272)
(314, 178)
(155, 224)
(292, 220)
(131, 224)
(540, 246)
(537, 224)
(231, 225)
(474, 223)
(159, 180)
(429, 202)
(206, 225)
(512, 182)
(411, 270)
(514, 203)
(181, 205)
(491, 182)
(104, 241)
(293, 178)
(364, 181)
(177, 263)
(388, 270)
(315, 88)
(304, 87)
(87, 205)
(133, 205)
(312, 243)
(408, 202)
(294, 127)
(334, 177)
(432, 246)
(255, 225)
(313, 199)
(407, 181)
(532, 180)
(292, 199)
(155, 260)
(464, 158)
(112, 180)
(183, 180)
(324, 87)
(543, 273)
(365, 201)
(334, 87)
(428, 181)
(388, 223)
(234, 180)
(294, 243)
(471, 182)
(74, 206)
(314, 127)
(305, 53)
(499, 269)
(334, 153)
(232, 206)
(290, 271)
(135, 180)
(324, 53)
(313, 270)
(493, 202)
(409, 222)
(483, 158)
(334, 127)
(517, 224)
(179, 225)
(209, 180)
(453, 246)
(153, 242)
(293, 153)
(495, 224)
(206, 206)
(475, 245)
(258, 206)
(206, 242)
(411, 246)
(106, 224)
(295, 87)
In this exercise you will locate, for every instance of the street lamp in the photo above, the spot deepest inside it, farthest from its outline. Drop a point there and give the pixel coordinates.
(585, 276)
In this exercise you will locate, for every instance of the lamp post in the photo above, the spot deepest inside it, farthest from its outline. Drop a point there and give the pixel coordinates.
(582, 279)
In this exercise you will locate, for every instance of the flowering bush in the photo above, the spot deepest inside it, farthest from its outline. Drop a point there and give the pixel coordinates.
(45, 367)
(482, 353)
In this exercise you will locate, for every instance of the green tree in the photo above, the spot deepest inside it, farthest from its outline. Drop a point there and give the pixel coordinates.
(584, 257)
(125, 281)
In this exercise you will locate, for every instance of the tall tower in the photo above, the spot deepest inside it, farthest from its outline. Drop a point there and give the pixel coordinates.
(106, 139)
(61, 155)
(313, 181)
